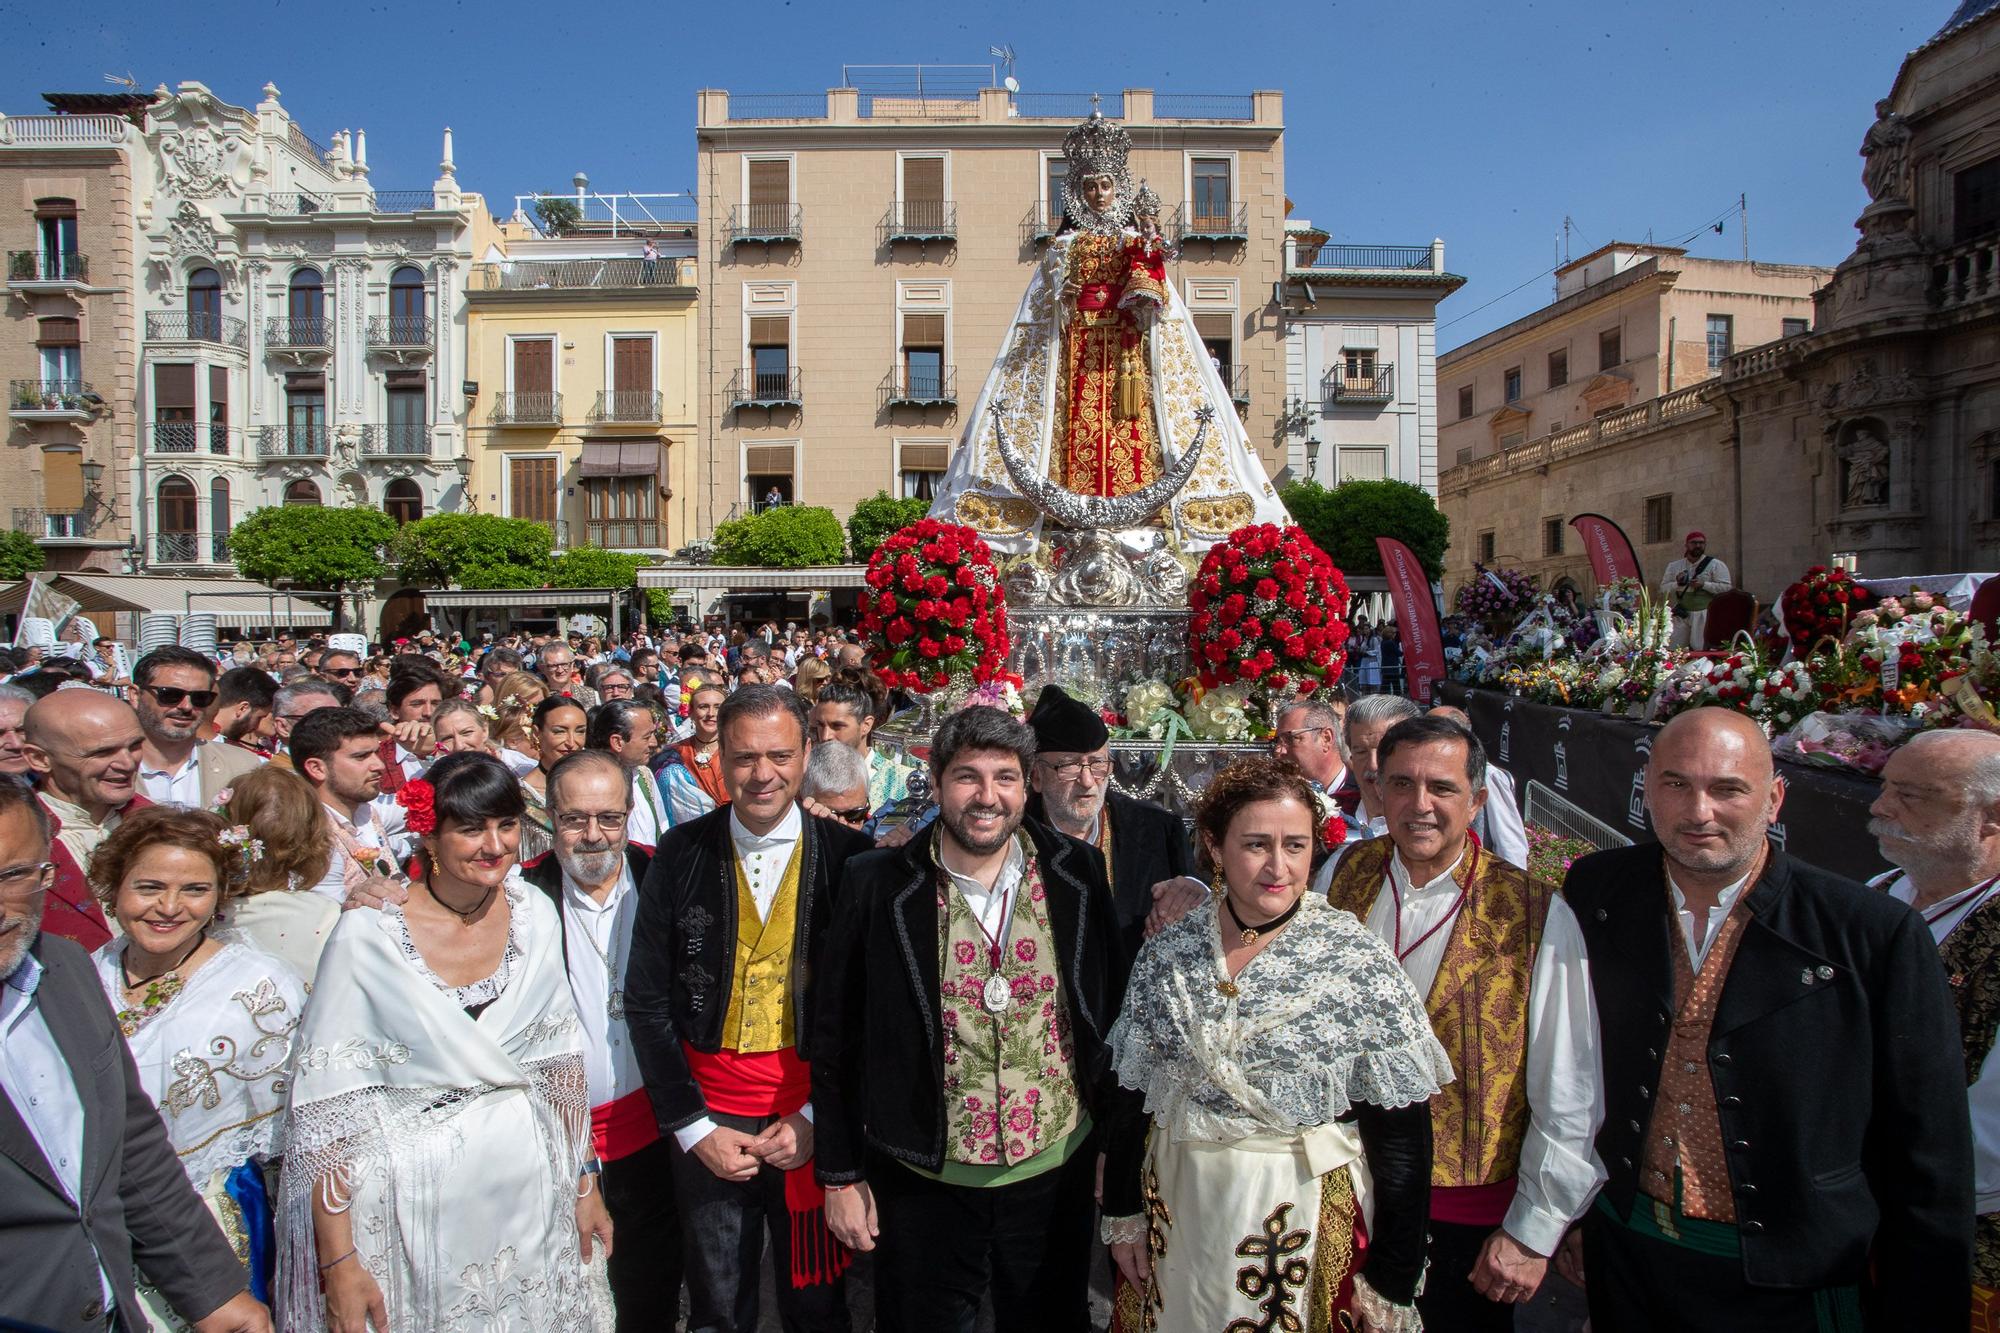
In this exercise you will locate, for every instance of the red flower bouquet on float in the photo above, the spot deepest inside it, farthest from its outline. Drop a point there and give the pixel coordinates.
(1822, 605)
(934, 612)
(1270, 610)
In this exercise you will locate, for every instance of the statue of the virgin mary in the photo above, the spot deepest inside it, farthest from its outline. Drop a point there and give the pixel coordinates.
(1104, 411)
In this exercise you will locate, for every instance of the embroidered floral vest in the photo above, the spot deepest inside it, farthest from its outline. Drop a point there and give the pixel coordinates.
(1971, 955)
(760, 1012)
(1009, 1078)
(1478, 1007)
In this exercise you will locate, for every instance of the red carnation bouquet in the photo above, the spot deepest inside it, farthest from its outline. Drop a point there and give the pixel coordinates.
(1270, 609)
(419, 801)
(935, 610)
(1822, 605)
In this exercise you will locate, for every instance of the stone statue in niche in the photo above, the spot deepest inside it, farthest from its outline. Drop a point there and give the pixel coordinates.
(1885, 157)
(1865, 470)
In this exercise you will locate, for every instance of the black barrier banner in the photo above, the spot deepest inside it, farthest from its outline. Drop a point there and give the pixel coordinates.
(1598, 761)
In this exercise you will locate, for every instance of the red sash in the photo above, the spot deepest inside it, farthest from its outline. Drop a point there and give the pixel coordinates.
(1473, 1205)
(622, 1127)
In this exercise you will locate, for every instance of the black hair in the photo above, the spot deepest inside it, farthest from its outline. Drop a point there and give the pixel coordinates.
(246, 685)
(1425, 730)
(15, 792)
(472, 788)
(172, 655)
(408, 678)
(553, 702)
(324, 730)
(981, 728)
(842, 690)
(754, 701)
(611, 718)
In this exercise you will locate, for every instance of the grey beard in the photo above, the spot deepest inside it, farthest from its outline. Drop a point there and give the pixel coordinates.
(591, 867)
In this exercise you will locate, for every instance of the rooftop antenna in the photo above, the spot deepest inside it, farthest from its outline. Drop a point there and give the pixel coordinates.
(125, 81)
(1005, 55)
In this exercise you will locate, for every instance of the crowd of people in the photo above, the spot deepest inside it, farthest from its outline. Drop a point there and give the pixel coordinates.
(547, 984)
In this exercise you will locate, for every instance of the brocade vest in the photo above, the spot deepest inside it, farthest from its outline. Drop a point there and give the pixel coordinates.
(1009, 1078)
(760, 1012)
(1685, 1132)
(1478, 1007)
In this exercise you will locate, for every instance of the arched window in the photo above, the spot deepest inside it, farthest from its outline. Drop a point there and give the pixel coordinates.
(406, 306)
(403, 501)
(218, 519)
(302, 493)
(308, 296)
(204, 306)
(175, 519)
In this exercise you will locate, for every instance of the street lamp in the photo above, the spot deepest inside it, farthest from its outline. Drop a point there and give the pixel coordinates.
(92, 474)
(1312, 457)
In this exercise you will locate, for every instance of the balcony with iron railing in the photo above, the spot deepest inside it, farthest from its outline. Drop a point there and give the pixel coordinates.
(621, 534)
(921, 220)
(52, 400)
(292, 442)
(561, 275)
(61, 525)
(46, 270)
(177, 548)
(766, 388)
(536, 408)
(195, 326)
(765, 223)
(1044, 219)
(1363, 387)
(397, 440)
(1212, 222)
(190, 437)
(925, 387)
(309, 334)
(404, 335)
(1236, 379)
(626, 407)
(1401, 260)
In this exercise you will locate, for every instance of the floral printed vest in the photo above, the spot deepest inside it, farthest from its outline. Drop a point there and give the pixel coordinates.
(1009, 1078)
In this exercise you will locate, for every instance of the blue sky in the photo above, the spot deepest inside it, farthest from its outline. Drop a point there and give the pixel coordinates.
(1485, 124)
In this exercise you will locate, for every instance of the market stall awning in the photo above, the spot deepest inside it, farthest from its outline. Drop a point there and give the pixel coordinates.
(738, 578)
(494, 599)
(235, 603)
(623, 458)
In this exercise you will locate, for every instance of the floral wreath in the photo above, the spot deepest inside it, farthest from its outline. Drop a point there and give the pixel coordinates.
(419, 801)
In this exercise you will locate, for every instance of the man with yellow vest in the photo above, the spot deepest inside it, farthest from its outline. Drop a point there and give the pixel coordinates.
(717, 1000)
(1500, 961)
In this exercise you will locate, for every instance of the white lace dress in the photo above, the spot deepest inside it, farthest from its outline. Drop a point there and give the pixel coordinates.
(1252, 1186)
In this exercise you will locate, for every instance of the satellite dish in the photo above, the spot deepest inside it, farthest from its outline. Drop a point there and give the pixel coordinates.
(1013, 84)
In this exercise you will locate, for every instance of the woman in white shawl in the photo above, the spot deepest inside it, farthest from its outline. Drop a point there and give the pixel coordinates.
(209, 1019)
(1286, 1062)
(439, 1178)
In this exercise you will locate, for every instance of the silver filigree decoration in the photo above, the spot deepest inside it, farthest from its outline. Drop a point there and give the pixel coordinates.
(1097, 511)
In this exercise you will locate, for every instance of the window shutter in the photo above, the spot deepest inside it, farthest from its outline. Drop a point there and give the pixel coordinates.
(770, 331)
(768, 460)
(770, 183)
(632, 365)
(923, 180)
(534, 366)
(173, 388)
(923, 330)
(926, 457)
(1219, 324)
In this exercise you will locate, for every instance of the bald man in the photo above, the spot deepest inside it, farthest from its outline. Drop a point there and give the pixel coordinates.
(1498, 825)
(1785, 1120)
(1938, 822)
(84, 748)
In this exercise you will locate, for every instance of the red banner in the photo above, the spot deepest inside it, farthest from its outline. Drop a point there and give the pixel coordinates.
(1416, 617)
(1610, 550)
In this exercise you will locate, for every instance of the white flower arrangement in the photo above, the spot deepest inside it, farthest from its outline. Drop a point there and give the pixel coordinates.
(1222, 714)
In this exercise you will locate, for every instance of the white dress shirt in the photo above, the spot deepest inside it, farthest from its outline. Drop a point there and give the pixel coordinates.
(180, 786)
(992, 907)
(365, 830)
(1944, 917)
(1559, 1173)
(648, 819)
(595, 933)
(1698, 941)
(764, 858)
(37, 1080)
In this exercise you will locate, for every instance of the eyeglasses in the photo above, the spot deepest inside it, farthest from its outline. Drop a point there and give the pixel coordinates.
(171, 696)
(609, 821)
(1294, 737)
(340, 673)
(1072, 768)
(853, 814)
(15, 878)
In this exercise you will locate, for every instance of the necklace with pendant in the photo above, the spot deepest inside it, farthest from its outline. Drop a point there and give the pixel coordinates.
(159, 990)
(1251, 934)
(614, 1004)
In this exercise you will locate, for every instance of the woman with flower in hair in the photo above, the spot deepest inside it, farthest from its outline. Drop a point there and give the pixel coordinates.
(692, 784)
(277, 911)
(512, 723)
(439, 1177)
(459, 724)
(209, 1019)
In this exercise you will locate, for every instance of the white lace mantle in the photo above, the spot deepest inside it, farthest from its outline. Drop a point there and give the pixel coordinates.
(1321, 1019)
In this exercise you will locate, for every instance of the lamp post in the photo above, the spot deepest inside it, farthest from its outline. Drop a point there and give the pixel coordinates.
(1312, 457)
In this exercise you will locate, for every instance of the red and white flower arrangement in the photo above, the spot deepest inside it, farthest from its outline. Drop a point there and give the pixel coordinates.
(935, 610)
(1270, 610)
(1774, 696)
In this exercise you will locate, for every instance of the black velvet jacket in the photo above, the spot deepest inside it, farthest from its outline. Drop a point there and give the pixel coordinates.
(1838, 1071)
(684, 950)
(1149, 843)
(878, 1052)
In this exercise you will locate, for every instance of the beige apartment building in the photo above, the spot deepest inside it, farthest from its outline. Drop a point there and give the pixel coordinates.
(1595, 403)
(862, 254)
(69, 338)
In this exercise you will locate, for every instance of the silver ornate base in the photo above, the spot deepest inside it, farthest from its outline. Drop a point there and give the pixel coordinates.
(1096, 654)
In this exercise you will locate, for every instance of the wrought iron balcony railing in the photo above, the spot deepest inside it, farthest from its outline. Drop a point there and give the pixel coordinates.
(523, 275)
(1344, 389)
(1044, 219)
(190, 437)
(60, 524)
(528, 409)
(766, 222)
(1237, 379)
(292, 442)
(46, 266)
(637, 407)
(925, 387)
(921, 220)
(1212, 222)
(196, 326)
(1364, 258)
(400, 440)
(303, 333)
(176, 548)
(53, 399)
(767, 388)
(622, 533)
(402, 332)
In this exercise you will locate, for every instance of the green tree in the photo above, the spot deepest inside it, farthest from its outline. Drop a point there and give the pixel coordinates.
(19, 555)
(878, 517)
(1346, 520)
(589, 567)
(474, 551)
(788, 537)
(558, 216)
(311, 545)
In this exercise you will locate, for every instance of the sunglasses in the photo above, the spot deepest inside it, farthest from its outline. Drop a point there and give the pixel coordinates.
(171, 696)
(340, 672)
(854, 814)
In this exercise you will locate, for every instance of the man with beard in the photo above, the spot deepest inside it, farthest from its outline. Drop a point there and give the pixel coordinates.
(89, 1184)
(846, 710)
(1938, 821)
(593, 876)
(338, 751)
(173, 690)
(84, 747)
(14, 705)
(244, 700)
(719, 997)
(1145, 846)
(1785, 1124)
(965, 995)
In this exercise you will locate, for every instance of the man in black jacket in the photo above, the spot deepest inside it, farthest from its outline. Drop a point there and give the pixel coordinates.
(960, 1064)
(719, 999)
(1145, 846)
(1785, 1120)
(592, 876)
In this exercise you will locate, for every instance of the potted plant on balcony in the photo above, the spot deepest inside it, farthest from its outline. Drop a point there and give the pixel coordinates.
(28, 396)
